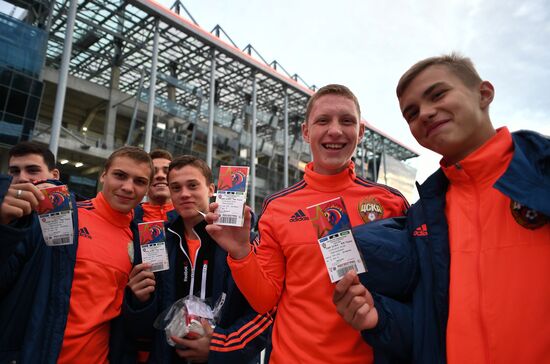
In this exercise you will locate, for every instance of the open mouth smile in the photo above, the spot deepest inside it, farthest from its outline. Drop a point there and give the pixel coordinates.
(334, 146)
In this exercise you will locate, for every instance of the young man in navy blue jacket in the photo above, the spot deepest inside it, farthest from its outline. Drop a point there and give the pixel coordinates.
(197, 267)
(59, 304)
(481, 232)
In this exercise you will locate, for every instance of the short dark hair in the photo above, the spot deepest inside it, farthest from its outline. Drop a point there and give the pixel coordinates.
(332, 89)
(25, 148)
(186, 160)
(135, 153)
(161, 153)
(462, 67)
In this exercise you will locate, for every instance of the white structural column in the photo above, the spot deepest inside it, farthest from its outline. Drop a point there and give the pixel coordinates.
(211, 108)
(253, 148)
(285, 156)
(384, 161)
(375, 167)
(63, 76)
(363, 152)
(152, 87)
(111, 112)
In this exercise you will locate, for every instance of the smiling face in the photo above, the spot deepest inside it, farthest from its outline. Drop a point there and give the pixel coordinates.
(158, 193)
(446, 116)
(190, 192)
(333, 131)
(125, 183)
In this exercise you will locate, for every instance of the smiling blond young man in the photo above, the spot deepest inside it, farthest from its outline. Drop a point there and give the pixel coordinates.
(288, 270)
(481, 228)
(57, 302)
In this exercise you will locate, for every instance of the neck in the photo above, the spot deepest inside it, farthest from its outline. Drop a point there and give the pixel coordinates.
(158, 201)
(189, 224)
(483, 136)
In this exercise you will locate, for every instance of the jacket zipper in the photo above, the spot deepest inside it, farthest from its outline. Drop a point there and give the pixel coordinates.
(192, 264)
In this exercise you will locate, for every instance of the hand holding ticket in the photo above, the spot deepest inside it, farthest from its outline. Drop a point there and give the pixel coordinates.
(333, 228)
(231, 195)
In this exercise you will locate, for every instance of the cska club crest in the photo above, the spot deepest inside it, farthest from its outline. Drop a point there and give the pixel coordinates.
(370, 209)
(526, 217)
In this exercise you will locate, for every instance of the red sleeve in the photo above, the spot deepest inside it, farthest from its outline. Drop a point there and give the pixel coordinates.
(260, 276)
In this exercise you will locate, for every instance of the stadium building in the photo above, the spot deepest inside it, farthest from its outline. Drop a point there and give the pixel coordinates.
(86, 77)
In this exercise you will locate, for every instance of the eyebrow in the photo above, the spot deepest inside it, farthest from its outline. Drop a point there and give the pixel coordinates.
(430, 89)
(26, 166)
(425, 94)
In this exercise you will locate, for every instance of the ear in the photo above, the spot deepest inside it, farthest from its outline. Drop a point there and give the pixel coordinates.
(102, 177)
(305, 132)
(487, 93)
(55, 173)
(211, 190)
(361, 132)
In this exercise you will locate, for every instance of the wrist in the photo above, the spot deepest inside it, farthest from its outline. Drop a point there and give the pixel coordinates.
(240, 253)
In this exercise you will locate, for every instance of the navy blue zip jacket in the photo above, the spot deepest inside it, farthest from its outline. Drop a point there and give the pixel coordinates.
(35, 289)
(241, 333)
(423, 321)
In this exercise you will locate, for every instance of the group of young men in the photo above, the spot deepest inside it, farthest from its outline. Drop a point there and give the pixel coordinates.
(459, 277)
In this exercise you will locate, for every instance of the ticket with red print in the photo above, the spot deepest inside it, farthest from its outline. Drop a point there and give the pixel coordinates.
(231, 195)
(333, 231)
(55, 216)
(152, 241)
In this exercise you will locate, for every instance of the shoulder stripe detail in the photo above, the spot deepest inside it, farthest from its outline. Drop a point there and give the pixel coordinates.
(295, 187)
(364, 182)
(88, 205)
(239, 339)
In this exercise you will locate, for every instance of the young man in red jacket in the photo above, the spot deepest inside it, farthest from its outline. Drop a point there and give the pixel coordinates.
(57, 303)
(288, 269)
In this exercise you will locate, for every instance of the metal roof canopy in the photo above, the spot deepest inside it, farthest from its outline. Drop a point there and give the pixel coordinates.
(111, 33)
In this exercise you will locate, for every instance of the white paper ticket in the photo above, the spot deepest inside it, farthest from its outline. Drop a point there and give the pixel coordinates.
(55, 216)
(231, 195)
(152, 241)
(341, 255)
(333, 231)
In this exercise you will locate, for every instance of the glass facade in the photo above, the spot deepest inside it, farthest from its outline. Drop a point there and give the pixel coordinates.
(21, 62)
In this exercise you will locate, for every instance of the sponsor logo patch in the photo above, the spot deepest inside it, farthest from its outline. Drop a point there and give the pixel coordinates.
(298, 216)
(370, 209)
(422, 230)
(83, 232)
(526, 217)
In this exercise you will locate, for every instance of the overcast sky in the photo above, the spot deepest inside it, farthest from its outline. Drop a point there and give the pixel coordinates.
(368, 44)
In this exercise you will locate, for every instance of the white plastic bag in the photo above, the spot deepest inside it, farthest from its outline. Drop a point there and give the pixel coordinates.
(184, 319)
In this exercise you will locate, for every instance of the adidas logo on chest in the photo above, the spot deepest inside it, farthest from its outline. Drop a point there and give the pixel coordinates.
(298, 216)
(84, 233)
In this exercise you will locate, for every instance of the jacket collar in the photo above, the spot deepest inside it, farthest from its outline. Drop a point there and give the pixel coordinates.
(329, 183)
(527, 179)
(105, 210)
(176, 224)
(486, 164)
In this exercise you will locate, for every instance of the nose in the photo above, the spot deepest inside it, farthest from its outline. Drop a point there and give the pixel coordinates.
(183, 194)
(21, 177)
(334, 128)
(427, 112)
(128, 185)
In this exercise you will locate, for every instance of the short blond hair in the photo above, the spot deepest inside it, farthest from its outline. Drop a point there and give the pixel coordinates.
(460, 66)
(332, 89)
